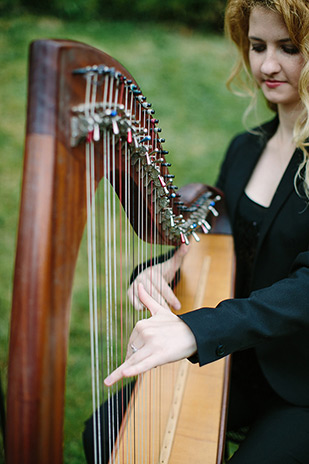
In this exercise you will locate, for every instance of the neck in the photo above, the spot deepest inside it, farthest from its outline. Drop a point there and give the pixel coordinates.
(287, 119)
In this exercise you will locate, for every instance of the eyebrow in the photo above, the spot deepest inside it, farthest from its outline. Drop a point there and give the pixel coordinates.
(261, 40)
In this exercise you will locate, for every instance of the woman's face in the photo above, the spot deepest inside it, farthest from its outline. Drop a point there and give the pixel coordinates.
(276, 63)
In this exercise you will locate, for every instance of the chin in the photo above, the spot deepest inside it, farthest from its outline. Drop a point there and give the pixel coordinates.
(276, 99)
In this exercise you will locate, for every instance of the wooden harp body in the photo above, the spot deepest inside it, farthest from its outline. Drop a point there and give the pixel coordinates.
(61, 122)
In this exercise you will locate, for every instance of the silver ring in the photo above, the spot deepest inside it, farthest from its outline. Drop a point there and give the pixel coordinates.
(133, 348)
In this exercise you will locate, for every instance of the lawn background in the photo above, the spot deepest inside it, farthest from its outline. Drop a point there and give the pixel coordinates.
(183, 75)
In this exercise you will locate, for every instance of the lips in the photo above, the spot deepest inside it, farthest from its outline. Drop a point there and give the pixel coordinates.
(272, 84)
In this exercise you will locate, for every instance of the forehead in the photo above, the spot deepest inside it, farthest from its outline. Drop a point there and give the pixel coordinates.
(264, 23)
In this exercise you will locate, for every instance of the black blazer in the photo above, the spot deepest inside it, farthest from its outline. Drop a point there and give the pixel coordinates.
(275, 318)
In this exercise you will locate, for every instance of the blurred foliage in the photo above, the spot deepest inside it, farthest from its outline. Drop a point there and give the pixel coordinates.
(182, 73)
(201, 14)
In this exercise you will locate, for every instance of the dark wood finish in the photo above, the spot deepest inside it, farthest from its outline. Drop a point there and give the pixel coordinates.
(52, 220)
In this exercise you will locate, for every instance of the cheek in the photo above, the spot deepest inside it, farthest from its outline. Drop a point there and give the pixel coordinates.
(297, 73)
(295, 68)
(254, 66)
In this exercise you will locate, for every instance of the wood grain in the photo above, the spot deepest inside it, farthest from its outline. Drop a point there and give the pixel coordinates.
(198, 434)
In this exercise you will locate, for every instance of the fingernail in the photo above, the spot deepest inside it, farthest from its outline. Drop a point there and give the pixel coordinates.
(107, 381)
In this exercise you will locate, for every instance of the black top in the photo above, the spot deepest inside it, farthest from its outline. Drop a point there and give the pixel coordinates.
(247, 226)
(274, 318)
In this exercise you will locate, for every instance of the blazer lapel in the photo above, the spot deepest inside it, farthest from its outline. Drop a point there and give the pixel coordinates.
(284, 190)
(243, 170)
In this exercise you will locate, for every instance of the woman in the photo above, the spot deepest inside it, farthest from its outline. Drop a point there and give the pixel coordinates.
(265, 178)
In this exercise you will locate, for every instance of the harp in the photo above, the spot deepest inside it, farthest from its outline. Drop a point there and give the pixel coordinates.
(89, 123)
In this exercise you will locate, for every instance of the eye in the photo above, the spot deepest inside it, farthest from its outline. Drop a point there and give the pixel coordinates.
(258, 47)
(290, 49)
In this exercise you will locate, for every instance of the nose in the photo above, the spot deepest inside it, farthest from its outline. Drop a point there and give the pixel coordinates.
(270, 64)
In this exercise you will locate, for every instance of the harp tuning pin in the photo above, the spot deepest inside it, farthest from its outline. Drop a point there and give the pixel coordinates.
(115, 127)
(148, 158)
(89, 137)
(79, 71)
(96, 132)
(212, 209)
(101, 69)
(114, 122)
(163, 184)
(206, 224)
(184, 238)
(195, 236)
(135, 141)
(147, 138)
(191, 209)
(203, 227)
(153, 154)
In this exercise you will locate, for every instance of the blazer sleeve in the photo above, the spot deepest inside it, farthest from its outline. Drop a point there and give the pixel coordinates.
(272, 313)
(236, 324)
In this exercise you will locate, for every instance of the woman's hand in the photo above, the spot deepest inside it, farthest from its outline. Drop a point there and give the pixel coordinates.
(161, 339)
(156, 280)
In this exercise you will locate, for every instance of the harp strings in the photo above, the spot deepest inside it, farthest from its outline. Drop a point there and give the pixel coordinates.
(124, 132)
(92, 271)
(112, 259)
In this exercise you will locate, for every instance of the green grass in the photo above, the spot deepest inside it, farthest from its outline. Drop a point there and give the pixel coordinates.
(182, 73)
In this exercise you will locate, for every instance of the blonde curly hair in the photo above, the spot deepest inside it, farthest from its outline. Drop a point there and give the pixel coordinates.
(295, 14)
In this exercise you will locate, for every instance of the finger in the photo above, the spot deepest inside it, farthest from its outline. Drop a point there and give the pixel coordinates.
(143, 366)
(151, 287)
(133, 298)
(181, 252)
(137, 363)
(176, 262)
(178, 256)
(148, 301)
(134, 346)
(167, 294)
(154, 289)
(115, 376)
